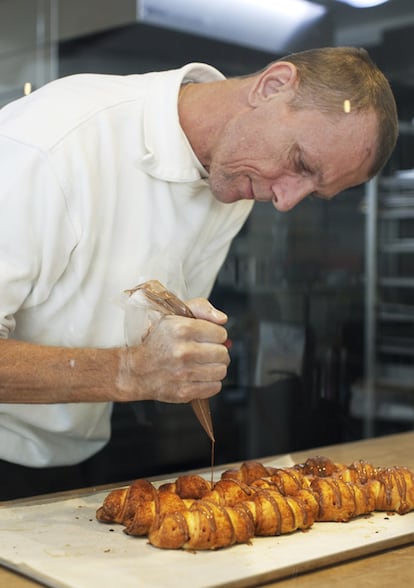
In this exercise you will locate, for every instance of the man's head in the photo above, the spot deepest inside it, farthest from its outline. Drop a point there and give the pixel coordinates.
(316, 122)
(334, 80)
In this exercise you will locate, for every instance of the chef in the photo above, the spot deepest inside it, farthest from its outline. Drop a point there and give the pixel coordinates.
(105, 180)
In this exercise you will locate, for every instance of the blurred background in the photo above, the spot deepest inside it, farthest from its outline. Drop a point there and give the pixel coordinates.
(320, 299)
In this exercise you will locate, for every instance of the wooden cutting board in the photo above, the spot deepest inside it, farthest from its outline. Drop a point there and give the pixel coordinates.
(61, 544)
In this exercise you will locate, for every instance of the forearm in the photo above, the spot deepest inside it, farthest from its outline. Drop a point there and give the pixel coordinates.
(181, 359)
(44, 374)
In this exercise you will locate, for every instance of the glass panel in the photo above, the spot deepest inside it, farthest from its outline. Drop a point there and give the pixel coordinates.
(27, 46)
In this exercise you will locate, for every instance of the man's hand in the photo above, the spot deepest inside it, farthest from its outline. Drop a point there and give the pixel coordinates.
(179, 359)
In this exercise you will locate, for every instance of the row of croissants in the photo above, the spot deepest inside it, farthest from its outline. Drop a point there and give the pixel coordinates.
(255, 500)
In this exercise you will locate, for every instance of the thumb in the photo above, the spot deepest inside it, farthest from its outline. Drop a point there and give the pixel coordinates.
(203, 309)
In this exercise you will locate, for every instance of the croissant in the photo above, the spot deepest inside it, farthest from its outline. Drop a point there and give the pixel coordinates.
(329, 499)
(136, 506)
(319, 466)
(359, 471)
(248, 472)
(255, 500)
(275, 514)
(340, 501)
(229, 492)
(205, 525)
(147, 512)
(188, 486)
(393, 489)
(120, 505)
(288, 481)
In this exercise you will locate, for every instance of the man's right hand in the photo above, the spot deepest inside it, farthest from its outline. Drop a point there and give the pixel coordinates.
(179, 360)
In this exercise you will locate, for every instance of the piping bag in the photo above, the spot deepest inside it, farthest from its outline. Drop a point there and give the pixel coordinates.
(166, 302)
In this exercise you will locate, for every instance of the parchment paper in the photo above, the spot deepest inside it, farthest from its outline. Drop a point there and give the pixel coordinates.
(61, 544)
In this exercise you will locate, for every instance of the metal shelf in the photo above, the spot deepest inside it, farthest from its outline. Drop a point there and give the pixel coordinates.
(395, 313)
(393, 346)
(389, 347)
(400, 181)
(396, 282)
(401, 212)
(398, 246)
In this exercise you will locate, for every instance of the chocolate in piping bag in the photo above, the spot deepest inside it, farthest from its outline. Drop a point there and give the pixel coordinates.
(167, 302)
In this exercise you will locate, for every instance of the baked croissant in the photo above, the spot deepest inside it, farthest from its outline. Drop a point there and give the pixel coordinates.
(288, 481)
(248, 472)
(228, 492)
(358, 471)
(137, 506)
(255, 500)
(393, 489)
(207, 525)
(188, 486)
(329, 499)
(204, 525)
(121, 504)
(319, 466)
(340, 501)
(275, 514)
(147, 512)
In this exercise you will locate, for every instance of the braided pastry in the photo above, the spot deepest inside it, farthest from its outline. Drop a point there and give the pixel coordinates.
(330, 499)
(188, 486)
(359, 471)
(248, 472)
(340, 501)
(289, 481)
(393, 489)
(121, 504)
(275, 514)
(205, 525)
(319, 466)
(228, 492)
(255, 500)
(136, 506)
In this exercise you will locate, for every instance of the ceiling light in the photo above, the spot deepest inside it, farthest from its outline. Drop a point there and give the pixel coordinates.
(263, 24)
(363, 3)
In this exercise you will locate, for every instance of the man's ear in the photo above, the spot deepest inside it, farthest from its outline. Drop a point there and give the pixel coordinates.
(277, 77)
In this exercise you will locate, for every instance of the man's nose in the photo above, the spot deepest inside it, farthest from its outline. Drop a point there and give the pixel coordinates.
(286, 195)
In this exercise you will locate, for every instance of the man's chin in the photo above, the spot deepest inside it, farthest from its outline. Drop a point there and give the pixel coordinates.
(228, 198)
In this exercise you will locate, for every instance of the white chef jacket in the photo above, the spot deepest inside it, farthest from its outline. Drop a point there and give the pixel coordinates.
(96, 180)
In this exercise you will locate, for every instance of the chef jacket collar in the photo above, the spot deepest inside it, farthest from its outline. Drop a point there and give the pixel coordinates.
(169, 155)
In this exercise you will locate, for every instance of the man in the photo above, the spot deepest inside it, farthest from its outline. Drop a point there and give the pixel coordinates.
(102, 175)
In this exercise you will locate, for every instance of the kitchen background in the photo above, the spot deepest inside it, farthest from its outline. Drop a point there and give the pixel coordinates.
(320, 299)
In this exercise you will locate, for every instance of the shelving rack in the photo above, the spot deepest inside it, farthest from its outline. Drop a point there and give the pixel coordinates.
(389, 302)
